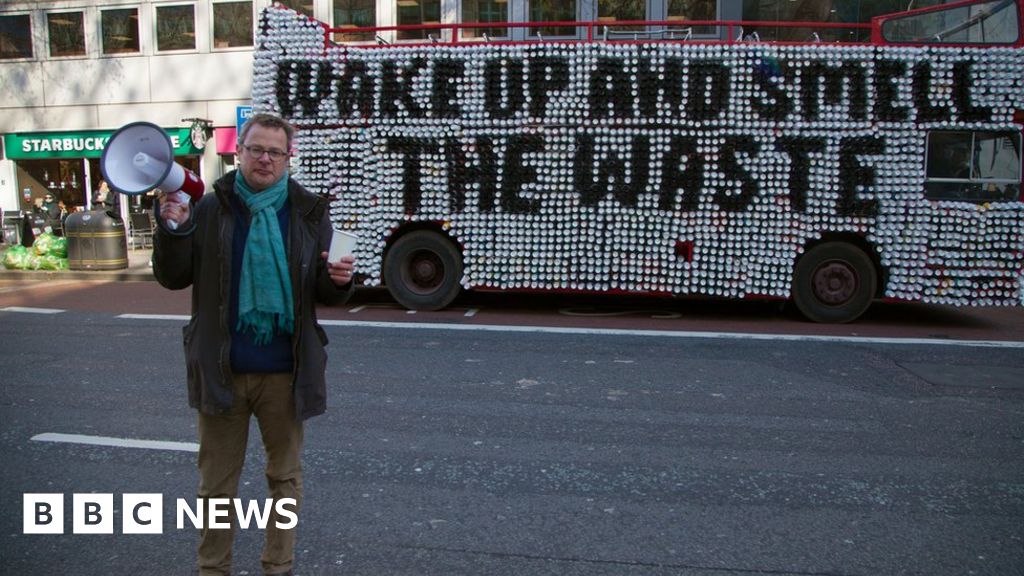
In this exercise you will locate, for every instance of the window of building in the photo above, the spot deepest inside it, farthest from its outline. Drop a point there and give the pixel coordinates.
(973, 166)
(694, 10)
(304, 7)
(64, 179)
(612, 11)
(66, 32)
(616, 10)
(800, 11)
(483, 11)
(993, 22)
(15, 36)
(354, 14)
(552, 11)
(232, 24)
(119, 31)
(418, 12)
(175, 28)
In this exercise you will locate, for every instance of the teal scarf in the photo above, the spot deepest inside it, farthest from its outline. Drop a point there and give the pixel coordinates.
(265, 288)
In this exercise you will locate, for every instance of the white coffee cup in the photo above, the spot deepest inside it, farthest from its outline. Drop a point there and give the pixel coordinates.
(342, 244)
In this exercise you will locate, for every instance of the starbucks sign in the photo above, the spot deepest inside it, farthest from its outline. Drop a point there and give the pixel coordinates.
(80, 144)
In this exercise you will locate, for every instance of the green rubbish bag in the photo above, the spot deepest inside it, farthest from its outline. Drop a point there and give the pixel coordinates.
(47, 244)
(17, 258)
(51, 262)
(59, 248)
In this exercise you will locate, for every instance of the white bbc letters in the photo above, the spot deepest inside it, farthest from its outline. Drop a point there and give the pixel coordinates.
(43, 514)
(93, 514)
(219, 508)
(142, 513)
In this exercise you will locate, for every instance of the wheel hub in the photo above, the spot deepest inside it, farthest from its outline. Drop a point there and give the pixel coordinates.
(425, 271)
(835, 283)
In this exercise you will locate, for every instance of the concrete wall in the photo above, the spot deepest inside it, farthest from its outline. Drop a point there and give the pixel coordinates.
(73, 94)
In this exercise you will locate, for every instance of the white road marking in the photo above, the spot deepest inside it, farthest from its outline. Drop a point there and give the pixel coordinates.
(116, 442)
(674, 334)
(32, 310)
(184, 317)
(1010, 344)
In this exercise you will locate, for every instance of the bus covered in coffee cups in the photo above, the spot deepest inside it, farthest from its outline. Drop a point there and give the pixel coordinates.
(651, 161)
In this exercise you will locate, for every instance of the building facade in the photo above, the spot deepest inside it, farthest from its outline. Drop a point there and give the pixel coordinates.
(73, 71)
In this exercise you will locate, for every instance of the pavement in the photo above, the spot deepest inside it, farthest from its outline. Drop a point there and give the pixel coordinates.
(138, 270)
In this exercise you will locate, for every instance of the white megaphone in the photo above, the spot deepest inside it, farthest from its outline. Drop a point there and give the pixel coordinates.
(139, 157)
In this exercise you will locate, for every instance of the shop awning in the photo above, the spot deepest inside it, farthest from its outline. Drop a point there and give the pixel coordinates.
(226, 139)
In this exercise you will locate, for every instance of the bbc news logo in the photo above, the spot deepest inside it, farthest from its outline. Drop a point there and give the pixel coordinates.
(144, 513)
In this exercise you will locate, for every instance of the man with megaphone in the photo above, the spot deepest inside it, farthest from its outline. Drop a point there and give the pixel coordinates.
(255, 254)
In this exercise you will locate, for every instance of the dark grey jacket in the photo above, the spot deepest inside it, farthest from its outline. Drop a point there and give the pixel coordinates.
(199, 255)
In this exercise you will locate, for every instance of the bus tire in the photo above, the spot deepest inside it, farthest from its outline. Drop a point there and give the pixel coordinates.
(423, 270)
(834, 282)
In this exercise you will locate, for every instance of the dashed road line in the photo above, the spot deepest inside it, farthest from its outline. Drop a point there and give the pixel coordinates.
(184, 317)
(27, 310)
(116, 442)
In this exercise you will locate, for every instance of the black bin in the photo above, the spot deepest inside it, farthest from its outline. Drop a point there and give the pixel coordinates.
(96, 241)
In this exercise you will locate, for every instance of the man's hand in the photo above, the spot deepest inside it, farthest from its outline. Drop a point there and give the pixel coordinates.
(341, 271)
(172, 209)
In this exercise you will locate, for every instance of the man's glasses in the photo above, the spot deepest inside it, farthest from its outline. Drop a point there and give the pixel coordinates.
(257, 152)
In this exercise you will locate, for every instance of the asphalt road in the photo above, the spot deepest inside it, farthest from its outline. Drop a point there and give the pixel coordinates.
(464, 451)
(596, 311)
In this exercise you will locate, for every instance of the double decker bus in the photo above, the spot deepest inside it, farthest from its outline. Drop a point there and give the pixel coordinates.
(649, 160)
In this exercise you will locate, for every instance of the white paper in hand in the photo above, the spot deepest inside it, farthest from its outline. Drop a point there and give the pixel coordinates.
(342, 244)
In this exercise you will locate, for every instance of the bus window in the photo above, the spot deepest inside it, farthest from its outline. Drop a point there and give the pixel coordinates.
(973, 166)
(949, 154)
(997, 156)
(986, 23)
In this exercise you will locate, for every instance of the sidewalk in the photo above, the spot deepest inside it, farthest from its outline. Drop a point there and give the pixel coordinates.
(138, 270)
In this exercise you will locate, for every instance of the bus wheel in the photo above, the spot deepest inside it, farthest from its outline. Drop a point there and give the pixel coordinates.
(834, 282)
(422, 271)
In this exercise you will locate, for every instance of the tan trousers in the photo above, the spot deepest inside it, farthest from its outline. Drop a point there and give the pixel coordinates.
(222, 443)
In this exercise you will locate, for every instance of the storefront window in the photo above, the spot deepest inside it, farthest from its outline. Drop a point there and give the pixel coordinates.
(62, 178)
(15, 36)
(175, 28)
(67, 33)
(354, 14)
(55, 163)
(418, 12)
(120, 31)
(232, 24)
(140, 203)
(304, 7)
(480, 11)
(552, 11)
